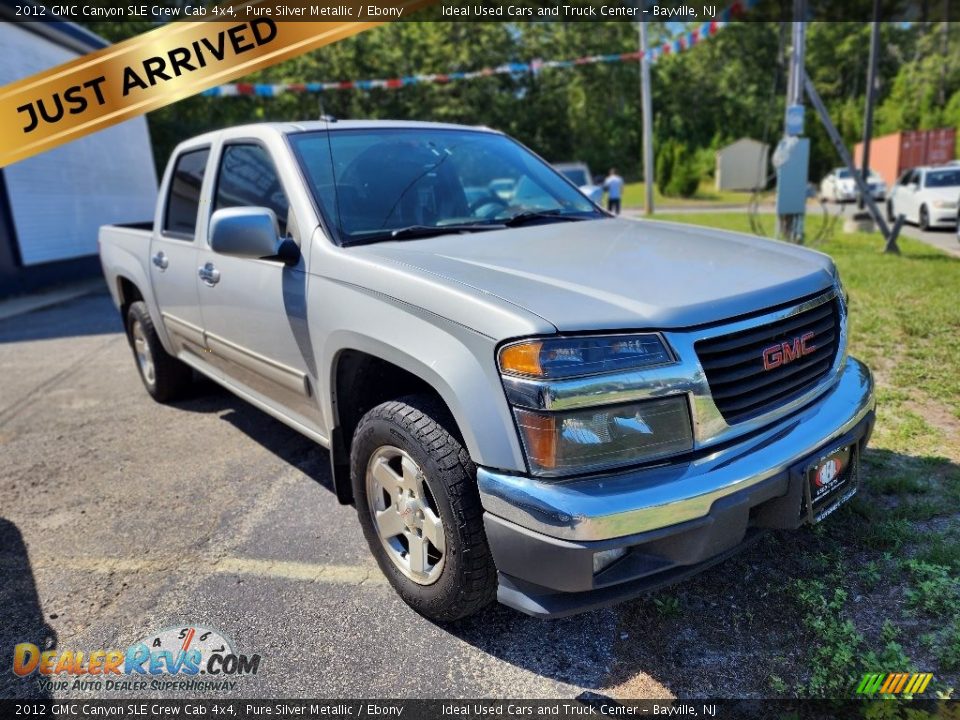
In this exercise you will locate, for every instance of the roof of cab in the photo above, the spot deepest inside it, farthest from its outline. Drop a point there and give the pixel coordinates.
(287, 128)
(311, 125)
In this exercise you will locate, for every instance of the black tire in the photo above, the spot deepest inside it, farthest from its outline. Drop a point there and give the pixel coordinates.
(422, 428)
(170, 379)
(890, 216)
(924, 218)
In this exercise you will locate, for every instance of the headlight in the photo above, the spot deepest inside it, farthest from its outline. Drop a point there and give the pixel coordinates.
(944, 204)
(576, 356)
(604, 437)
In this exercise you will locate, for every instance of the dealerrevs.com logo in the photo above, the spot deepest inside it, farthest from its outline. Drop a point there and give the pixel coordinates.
(191, 658)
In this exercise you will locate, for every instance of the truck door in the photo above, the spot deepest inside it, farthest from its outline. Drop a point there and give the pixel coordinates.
(254, 310)
(173, 252)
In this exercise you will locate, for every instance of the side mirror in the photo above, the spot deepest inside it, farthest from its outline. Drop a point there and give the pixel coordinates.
(251, 232)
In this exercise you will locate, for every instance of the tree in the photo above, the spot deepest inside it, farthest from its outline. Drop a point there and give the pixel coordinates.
(729, 86)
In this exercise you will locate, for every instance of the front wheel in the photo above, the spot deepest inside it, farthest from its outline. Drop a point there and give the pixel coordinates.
(416, 495)
(924, 218)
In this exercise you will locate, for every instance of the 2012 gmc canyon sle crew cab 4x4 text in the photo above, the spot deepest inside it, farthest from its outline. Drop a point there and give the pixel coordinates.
(524, 397)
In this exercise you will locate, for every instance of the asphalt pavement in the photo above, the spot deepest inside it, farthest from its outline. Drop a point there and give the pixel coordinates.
(120, 517)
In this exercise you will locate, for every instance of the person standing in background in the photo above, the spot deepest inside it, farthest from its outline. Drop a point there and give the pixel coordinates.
(613, 184)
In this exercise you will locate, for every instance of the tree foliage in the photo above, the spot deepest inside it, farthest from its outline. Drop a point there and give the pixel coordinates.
(730, 86)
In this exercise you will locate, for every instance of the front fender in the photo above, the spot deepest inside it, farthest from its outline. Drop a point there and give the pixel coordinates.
(459, 363)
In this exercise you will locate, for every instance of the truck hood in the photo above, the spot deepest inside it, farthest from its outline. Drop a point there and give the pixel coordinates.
(616, 274)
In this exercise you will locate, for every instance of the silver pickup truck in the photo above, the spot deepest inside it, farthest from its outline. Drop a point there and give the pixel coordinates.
(525, 398)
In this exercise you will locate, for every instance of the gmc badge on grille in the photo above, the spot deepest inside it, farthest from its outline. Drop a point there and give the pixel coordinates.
(786, 352)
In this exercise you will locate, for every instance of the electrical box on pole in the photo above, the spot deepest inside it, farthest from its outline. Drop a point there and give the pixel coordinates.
(792, 162)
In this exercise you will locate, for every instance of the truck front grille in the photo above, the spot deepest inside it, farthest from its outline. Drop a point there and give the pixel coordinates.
(757, 370)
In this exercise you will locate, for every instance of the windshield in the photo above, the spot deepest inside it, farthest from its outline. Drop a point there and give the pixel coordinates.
(943, 178)
(377, 184)
(576, 176)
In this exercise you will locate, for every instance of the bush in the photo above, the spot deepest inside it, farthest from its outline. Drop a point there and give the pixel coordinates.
(685, 174)
(664, 169)
(678, 170)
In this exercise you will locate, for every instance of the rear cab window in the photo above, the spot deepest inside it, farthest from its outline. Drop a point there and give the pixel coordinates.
(183, 195)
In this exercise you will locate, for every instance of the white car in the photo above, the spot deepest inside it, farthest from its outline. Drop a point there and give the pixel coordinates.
(579, 174)
(927, 196)
(840, 186)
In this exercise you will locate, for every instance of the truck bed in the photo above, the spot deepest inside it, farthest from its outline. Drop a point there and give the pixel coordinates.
(125, 250)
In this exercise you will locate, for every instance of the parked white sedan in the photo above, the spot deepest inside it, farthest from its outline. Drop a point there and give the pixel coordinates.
(840, 186)
(927, 196)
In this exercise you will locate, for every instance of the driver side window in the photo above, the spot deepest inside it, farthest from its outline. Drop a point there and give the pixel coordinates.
(248, 178)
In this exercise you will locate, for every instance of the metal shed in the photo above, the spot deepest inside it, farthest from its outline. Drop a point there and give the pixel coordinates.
(742, 165)
(52, 204)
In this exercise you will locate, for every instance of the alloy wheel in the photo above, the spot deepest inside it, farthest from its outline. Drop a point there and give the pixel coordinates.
(405, 514)
(144, 357)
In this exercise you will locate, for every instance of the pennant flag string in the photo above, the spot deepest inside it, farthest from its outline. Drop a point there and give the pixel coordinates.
(677, 44)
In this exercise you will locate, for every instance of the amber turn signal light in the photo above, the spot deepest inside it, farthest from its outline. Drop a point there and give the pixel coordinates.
(539, 437)
(522, 358)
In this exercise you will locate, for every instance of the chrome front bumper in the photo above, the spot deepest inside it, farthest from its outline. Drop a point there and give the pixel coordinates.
(630, 502)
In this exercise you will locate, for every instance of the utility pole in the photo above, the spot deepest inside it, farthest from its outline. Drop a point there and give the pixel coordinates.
(797, 55)
(646, 103)
(792, 156)
(871, 94)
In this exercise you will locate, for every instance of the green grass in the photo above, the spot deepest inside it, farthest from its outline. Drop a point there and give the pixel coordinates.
(946, 645)
(877, 590)
(935, 589)
(667, 606)
(706, 195)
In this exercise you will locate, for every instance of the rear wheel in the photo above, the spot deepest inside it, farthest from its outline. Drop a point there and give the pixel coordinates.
(164, 377)
(416, 495)
(890, 216)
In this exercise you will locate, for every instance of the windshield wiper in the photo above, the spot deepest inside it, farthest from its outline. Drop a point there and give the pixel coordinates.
(526, 216)
(413, 232)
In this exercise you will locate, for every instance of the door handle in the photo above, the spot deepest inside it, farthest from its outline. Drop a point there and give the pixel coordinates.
(161, 261)
(209, 274)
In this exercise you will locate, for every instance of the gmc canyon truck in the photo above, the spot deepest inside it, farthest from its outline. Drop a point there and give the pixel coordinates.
(525, 398)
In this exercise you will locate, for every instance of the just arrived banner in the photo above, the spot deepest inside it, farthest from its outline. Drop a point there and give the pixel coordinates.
(158, 68)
